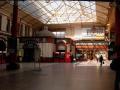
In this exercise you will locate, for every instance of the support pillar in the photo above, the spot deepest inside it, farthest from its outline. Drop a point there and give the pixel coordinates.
(12, 41)
(117, 29)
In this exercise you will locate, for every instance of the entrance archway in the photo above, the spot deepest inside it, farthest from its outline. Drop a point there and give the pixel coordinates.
(29, 47)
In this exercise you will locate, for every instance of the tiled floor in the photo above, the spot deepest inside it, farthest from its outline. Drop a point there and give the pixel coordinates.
(62, 76)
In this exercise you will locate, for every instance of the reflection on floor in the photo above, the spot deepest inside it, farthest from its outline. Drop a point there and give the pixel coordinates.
(58, 76)
(93, 63)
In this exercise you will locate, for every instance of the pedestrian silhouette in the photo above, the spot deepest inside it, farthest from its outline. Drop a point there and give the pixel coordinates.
(101, 60)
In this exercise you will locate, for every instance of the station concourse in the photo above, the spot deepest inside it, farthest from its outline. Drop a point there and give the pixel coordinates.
(57, 44)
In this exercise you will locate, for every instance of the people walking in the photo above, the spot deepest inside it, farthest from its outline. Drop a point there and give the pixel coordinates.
(101, 60)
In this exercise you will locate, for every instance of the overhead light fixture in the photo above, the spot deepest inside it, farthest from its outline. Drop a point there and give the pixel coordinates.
(108, 24)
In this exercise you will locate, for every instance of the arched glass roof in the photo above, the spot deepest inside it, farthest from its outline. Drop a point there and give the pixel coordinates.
(61, 11)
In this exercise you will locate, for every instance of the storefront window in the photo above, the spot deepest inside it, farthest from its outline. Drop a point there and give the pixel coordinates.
(59, 34)
(8, 25)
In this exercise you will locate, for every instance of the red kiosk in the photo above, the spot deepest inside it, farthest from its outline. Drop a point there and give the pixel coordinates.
(64, 50)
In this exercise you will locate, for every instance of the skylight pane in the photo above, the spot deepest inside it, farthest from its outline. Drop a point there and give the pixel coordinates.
(93, 7)
(82, 2)
(23, 4)
(56, 11)
(88, 10)
(54, 5)
(87, 4)
(43, 2)
(31, 8)
(49, 7)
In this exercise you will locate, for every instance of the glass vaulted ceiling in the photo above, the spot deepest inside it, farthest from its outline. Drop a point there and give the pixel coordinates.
(61, 11)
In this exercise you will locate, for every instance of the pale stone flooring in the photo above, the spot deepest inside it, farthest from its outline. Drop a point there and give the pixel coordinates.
(57, 76)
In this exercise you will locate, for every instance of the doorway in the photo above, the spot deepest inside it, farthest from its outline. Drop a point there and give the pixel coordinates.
(29, 50)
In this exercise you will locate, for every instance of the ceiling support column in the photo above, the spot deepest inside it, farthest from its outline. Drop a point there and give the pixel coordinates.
(117, 30)
(12, 41)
